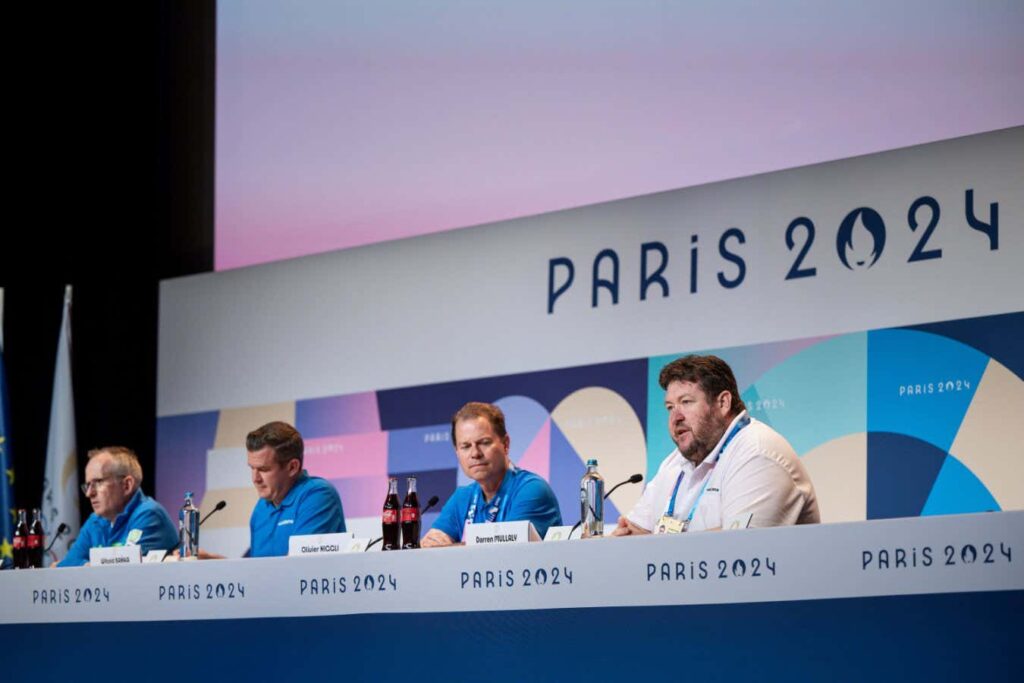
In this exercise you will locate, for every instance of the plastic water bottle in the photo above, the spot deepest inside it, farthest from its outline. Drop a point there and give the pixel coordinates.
(592, 501)
(188, 529)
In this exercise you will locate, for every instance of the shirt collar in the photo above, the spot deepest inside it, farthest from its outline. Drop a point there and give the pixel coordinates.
(289, 497)
(133, 503)
(717, 452)
(506, 480)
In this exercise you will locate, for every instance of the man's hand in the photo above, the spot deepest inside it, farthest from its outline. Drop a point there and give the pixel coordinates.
(627, 528)
(202, 555)
(436, 538)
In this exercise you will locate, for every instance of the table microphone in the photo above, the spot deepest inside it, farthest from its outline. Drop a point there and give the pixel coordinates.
(216, 508)
(223, 504)
(61, 530)
(635, 479)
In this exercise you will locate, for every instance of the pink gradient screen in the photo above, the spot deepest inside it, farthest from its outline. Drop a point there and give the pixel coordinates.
(341, 123)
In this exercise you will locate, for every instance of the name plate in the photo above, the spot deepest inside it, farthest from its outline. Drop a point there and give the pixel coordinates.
(493, 533)
(108, 557)
(319, 544)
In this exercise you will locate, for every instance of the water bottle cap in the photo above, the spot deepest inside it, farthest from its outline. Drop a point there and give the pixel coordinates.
(592, 462)
(188, 494)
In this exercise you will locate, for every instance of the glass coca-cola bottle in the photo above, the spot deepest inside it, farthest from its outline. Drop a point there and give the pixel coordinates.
(390, 530)
(35, 540)
(411, 517)
(21, 542)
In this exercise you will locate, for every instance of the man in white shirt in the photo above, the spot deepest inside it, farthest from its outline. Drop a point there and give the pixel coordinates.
(728, 470)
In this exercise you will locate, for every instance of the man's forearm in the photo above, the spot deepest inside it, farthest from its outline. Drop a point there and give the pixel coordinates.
(436, 538)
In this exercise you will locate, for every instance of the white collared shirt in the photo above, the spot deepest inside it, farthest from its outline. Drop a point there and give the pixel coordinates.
(759, 474)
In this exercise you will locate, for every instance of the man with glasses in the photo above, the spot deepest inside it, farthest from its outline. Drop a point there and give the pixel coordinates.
(122, 513)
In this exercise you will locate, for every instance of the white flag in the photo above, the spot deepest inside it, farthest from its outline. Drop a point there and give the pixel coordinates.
(60, 482)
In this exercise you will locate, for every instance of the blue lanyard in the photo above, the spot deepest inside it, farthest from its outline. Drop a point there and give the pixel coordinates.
(492, 512)
(679, 480)
(495, 508)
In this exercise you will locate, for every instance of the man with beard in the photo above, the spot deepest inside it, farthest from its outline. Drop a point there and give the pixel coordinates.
(728, 468)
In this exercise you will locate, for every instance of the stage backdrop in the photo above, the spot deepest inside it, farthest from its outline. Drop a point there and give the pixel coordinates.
(871, 308)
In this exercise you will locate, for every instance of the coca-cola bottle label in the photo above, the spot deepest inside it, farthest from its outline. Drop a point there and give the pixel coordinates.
(34, 541)
(391, 516)
(410, 514)
(19, 542)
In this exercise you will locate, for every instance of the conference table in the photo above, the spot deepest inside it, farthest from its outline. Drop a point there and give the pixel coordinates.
(924, 598)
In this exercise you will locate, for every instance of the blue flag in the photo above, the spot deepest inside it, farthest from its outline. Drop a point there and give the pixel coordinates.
(6, 476)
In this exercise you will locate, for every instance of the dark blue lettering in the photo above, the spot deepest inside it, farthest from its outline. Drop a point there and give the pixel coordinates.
(731, 257)
(601, 283)
(920, 253)
(991, 228)
(655, 277)
(553, 293)
(693, 264)
(795, 270)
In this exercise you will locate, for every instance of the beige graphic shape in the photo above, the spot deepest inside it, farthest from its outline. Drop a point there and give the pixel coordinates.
(600, 424)
(235, 423)
(990, 442)
(839, 472)
(236, 513)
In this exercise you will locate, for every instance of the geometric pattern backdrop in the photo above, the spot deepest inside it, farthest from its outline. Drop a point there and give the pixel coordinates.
(910, 421)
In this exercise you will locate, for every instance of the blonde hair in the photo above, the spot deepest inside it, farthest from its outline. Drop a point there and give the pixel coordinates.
(126, 463)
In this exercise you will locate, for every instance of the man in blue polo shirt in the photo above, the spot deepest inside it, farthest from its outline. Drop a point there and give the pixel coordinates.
(292, 503)
(122, 513)
(501, 492)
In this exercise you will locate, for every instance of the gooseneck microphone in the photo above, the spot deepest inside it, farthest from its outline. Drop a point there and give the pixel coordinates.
(634, 479)
(61, 530)
(430, 503)
(216, 508)
(220, 506)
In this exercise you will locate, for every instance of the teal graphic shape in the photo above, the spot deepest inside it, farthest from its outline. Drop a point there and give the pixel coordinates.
(903, 362)
(957, 490)
(837, 360)
(816, 395)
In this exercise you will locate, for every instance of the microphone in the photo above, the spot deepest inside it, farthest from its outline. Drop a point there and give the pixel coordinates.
(61, 530)
(430, 503)
(216, 508)
(223, 504)
(634, 479)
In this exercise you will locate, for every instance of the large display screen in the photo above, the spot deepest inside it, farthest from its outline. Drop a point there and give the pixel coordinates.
(346, 122)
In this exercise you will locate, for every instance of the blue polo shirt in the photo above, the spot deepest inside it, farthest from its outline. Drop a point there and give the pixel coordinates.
(312, 506)
(522, 496)
(142, 515)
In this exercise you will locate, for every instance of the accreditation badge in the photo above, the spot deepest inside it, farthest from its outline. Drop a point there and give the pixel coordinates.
(670, 525)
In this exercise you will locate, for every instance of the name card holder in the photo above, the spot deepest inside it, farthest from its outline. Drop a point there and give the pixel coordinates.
(494, 533)
(740, 522)
(558, 533)
(358, 545)
(109, 557)
(154, 556)
(319, 544)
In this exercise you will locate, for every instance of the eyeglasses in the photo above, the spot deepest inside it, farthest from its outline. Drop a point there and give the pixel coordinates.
(96, 483)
